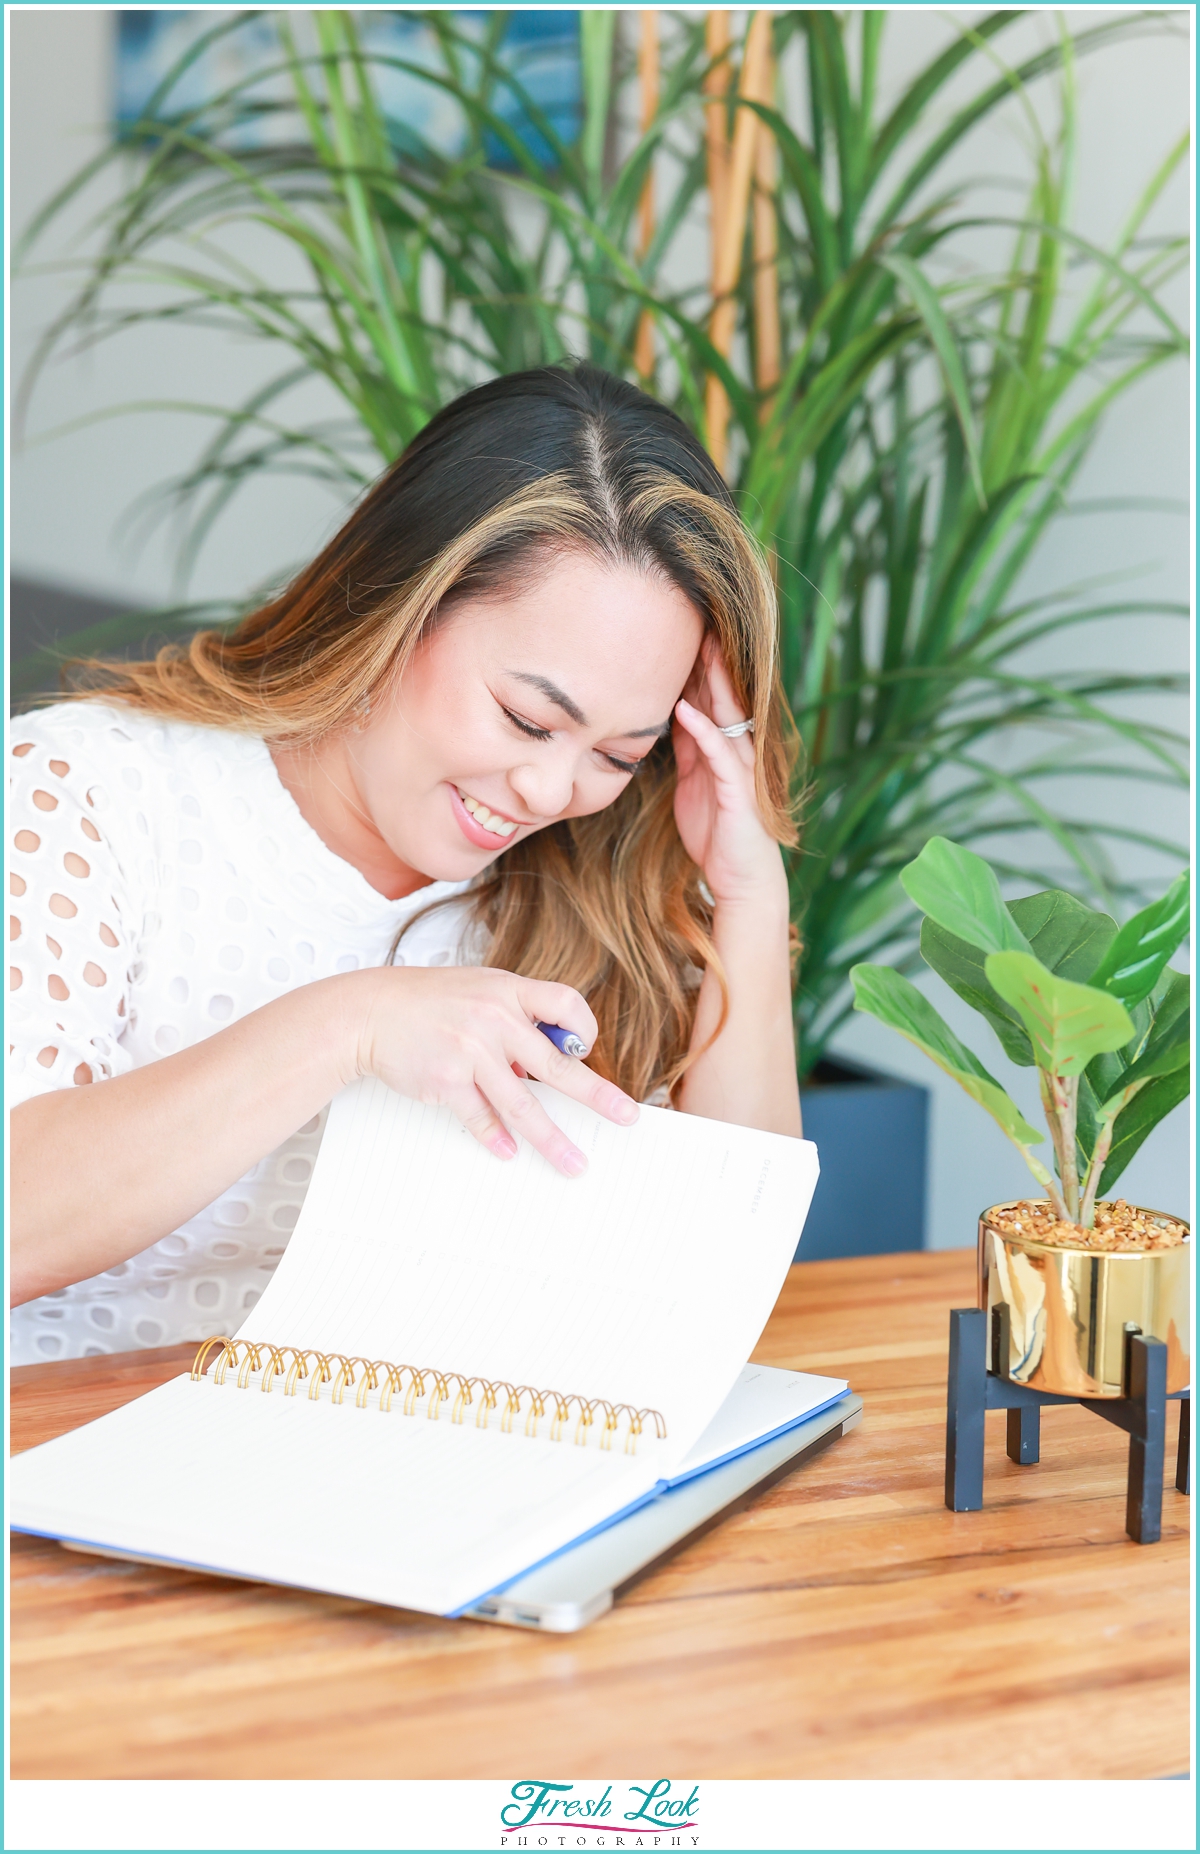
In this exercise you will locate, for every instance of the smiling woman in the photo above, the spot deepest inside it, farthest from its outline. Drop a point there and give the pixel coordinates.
(480, 740)
(484, 764)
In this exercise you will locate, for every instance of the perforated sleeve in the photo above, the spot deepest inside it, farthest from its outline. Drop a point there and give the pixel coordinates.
(70, 926)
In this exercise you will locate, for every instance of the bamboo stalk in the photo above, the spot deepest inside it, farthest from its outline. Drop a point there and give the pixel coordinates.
(648, 83)
(767, 338)
(728, 246)
(716, 122)
(716, 135)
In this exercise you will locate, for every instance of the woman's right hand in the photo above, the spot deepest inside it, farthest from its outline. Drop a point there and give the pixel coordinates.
(465, 1037)
(456, 1036)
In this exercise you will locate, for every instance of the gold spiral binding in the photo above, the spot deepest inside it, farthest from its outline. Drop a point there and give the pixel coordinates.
(249, 1357)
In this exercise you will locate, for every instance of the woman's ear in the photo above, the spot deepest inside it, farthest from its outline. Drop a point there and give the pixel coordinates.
(698, 690)
(695, 681)
(695, 684)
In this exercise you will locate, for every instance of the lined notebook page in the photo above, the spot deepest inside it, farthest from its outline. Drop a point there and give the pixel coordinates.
(388, 1508)
(764, 1401)
(647, 1281)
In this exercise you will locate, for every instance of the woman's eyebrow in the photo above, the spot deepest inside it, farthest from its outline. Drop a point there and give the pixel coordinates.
(562, 700)
(553, 694)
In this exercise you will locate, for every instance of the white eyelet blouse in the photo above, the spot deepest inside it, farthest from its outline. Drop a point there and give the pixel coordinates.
(164, 884)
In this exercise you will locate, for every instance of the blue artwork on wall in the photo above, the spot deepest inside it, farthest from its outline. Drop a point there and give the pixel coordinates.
(216, 54)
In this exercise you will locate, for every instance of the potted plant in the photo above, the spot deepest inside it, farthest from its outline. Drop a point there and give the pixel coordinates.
(1103, 1018)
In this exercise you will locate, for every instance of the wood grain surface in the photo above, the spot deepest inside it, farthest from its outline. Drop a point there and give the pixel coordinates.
(847, 1625)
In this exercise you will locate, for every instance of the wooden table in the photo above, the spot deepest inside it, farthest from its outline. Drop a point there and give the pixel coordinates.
(845, 1626)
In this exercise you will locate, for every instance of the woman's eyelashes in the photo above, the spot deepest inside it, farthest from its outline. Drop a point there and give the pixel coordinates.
(526, 727)
(534, 732)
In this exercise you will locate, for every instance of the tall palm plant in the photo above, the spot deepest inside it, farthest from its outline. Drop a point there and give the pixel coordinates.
(899, 435)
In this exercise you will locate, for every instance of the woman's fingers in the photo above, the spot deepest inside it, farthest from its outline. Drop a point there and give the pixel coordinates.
(523, 1113)
(723, 701)
(468, 1040)
(572, 1077)
(727, 764)
(484, 1124)
(548, 1003)
(710, 689)
(687, 753)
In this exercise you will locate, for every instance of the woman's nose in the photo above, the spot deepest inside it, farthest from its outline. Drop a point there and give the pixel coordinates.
(545, 787)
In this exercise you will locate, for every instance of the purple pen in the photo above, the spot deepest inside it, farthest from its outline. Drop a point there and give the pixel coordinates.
(566, 1040)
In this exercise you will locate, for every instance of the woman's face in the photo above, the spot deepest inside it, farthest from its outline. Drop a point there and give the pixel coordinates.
(520, 709)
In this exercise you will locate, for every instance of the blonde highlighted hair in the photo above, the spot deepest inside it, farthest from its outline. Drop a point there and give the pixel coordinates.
(531, 464)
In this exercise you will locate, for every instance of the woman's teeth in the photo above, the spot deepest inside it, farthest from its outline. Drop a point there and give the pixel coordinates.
(503, 827)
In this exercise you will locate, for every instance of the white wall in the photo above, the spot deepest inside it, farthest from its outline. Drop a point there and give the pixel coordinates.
(67, 496)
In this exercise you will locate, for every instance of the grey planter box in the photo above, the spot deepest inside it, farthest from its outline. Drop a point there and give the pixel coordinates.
(872, 1132)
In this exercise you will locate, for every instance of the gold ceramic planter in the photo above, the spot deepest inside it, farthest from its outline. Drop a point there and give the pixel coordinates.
(1057, 1317)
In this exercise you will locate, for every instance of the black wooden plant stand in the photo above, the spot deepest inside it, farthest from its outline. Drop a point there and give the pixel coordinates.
(974, 1389)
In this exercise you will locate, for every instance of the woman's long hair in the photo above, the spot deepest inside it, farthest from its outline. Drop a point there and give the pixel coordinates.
(555, 459)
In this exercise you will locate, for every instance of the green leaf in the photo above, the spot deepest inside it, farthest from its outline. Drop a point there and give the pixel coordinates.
(1158, 1021)
(1172, 1053)
(1169, 1045)
(1068, 1024)
(959, 891)
(895, 1001)
(595, 51)
(1087, 1118)
(1065, 935)
(1170, 999)
(928, 306)
(875, 904)
(1134, 1123)
(961, 965)
(1133, 963)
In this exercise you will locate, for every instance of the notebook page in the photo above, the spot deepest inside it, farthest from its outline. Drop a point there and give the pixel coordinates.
(647, 1281)
(762, 1403)
(387, 1508)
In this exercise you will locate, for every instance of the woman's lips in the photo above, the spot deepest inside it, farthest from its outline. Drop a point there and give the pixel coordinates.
(474, 831)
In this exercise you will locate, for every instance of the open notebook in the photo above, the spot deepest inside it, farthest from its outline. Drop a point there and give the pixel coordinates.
(460, 1366)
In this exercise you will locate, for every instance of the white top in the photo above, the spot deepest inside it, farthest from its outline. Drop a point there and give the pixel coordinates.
(164, 884)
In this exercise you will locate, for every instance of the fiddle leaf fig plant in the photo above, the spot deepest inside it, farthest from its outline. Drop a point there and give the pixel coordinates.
(1095, 1009)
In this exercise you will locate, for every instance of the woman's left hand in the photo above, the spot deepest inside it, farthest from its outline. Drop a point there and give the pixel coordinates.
(716, 808)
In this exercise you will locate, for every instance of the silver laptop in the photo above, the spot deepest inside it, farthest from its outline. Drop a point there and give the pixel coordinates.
(579, 1584)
